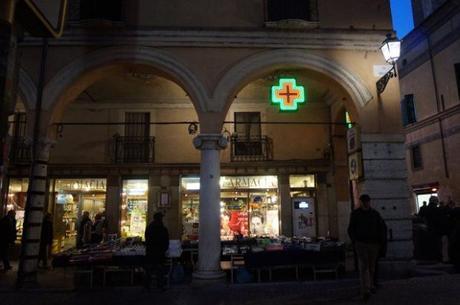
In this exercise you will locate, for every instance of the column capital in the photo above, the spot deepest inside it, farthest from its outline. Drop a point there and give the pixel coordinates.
(208, 141)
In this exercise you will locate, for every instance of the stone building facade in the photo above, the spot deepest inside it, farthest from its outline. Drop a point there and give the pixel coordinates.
(127, 87)
(429, 72)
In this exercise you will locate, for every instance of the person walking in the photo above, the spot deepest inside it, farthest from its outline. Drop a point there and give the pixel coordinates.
(46, 240)
(156, 245)
(367, 230)
(84, 230)
(7, 237)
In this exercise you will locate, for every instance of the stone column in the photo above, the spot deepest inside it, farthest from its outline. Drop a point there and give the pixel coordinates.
(385, 180)
(209, 239)
(286, 205)
(27, 273)
(113, 204)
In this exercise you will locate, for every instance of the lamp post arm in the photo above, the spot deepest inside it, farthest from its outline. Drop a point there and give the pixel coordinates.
(383, 81)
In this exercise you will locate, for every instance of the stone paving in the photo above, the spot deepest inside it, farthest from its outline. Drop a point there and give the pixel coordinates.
(434, 290)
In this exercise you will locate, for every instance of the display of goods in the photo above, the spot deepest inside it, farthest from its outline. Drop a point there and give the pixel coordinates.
(274, 247)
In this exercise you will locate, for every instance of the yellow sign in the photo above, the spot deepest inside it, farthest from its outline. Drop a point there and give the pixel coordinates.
(43, 18)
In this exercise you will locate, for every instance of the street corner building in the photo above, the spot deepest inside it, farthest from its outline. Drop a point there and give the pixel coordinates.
(233, 118)
(429, 71)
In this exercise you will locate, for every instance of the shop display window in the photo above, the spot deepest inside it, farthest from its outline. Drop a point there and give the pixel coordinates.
(17, 195)
(134, 208)
(302, 181)
(72, 197)
(249, 206)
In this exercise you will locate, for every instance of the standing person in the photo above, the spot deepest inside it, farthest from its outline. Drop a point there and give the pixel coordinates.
(46, 240)
(84, 230)
(156, 245)
(422, 210)
(367, 231)
(7, 237)
(97, 234)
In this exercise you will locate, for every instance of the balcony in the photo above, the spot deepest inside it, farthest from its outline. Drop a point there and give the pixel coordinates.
(21, 151)
(245, 149)
(132, 149)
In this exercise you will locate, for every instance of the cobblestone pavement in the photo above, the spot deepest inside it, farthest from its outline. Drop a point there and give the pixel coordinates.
(436, 290)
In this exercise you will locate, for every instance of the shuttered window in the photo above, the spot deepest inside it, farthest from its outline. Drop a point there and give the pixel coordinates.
(101, 9)
(291, 9)
(408, 110)
(416, 156)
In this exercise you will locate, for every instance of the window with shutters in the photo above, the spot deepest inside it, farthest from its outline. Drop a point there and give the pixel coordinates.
(306, 10)
(247, 143)
(20, 151)
(101, 9)
(416, 157)
(136, 146)
(408, 110)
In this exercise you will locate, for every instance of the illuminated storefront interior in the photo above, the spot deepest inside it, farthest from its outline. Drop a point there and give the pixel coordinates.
(249, 206)
(72, 197)
(133, 220)
(17, 195)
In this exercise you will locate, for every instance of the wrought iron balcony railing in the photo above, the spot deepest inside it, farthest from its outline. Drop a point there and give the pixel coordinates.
(251, 149)
(132, 149)
(20, 151)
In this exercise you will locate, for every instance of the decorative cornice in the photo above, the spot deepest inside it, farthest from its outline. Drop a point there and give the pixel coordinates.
(363, 40)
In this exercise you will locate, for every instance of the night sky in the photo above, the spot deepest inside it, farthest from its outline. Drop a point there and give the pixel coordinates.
(402, 16)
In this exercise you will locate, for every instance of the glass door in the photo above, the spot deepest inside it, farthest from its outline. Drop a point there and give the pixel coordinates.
(134, 208)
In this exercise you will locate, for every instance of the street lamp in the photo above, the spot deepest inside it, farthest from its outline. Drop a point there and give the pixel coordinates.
(391, 49)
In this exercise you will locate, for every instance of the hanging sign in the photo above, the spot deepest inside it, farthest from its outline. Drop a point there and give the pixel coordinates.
(287, 94)
(44, 18)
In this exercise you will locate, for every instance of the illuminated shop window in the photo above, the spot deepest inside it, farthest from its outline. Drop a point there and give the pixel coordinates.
(17, 195)
(134, 208)
(73, 197)
(249, 206)
(302, 181)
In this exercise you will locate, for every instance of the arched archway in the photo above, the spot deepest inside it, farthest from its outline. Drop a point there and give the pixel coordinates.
(27, 90)
(75, 77)
(259, 64)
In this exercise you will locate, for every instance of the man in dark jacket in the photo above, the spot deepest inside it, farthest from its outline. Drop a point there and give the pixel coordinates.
(156, 245)
(7, 237)
(368, 233)
(46, 240)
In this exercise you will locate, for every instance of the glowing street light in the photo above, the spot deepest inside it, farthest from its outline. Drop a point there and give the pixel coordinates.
(391, 50)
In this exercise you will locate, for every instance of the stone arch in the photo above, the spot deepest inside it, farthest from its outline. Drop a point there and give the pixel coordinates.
(260, 63)
(102, 59)
(27, 90)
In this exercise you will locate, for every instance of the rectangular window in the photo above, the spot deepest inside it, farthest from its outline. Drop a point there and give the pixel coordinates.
(416, 156)
(137, 124)
(457, 76)
(101, 9)
(248, 133)
(408, 110)
(293, 9)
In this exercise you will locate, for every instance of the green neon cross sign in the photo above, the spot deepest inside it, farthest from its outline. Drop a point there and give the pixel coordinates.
(288, 95)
